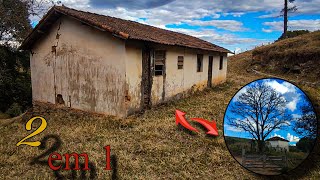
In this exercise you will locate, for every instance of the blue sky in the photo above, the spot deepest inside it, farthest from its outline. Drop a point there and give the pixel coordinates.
(237, 25)
(294, 97)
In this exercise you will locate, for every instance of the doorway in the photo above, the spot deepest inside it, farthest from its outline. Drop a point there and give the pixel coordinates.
(210, 71)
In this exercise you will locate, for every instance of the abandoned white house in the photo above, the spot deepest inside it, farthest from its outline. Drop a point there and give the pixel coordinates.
(113, 66)
(278, 143)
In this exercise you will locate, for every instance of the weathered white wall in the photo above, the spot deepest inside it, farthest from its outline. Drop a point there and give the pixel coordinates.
(279, 144)
(133, 77)
(88, 69)
(181, 80)
(95, 71)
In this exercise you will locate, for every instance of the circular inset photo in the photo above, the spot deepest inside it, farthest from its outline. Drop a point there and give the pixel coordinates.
(270, 126)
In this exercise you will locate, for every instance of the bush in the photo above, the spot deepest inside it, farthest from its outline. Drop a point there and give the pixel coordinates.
(15, 80)
(292, 34)
(14, 110)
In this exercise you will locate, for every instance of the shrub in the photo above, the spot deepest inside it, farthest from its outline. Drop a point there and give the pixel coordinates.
(14, 110)
(292, 34)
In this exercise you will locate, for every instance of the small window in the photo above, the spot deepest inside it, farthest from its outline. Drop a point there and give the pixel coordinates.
(159, 59)
(180, 62)
(221, 63)
(199, 62)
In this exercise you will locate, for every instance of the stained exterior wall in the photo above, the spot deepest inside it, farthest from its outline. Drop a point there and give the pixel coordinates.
(98, 72)
(181, 80)
(280, 144)
(133, 77)
(87, 68)
(176, 80)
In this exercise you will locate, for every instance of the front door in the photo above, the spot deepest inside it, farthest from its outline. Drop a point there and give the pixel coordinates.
(210, 71)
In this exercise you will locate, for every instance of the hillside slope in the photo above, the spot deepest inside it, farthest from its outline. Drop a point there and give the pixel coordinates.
(296, 58)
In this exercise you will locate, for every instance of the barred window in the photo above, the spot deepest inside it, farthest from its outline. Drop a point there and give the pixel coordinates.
(180, 62)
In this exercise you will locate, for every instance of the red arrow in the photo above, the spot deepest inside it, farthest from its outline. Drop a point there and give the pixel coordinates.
(180, 119)
(211, 126)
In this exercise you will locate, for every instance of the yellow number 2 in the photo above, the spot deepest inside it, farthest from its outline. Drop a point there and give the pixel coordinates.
(39, 130)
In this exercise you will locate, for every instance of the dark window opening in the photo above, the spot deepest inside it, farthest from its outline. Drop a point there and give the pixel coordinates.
(180, 62)
(159, 60)
(59, 99)
(221, 63)
(158, 70)
(199, 62)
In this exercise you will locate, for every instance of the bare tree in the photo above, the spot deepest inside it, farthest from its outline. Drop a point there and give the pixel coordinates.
(285, 11)
(259, 111)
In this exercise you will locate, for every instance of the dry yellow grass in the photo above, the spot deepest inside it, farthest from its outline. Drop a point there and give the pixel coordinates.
(147, 146)
(301, 53)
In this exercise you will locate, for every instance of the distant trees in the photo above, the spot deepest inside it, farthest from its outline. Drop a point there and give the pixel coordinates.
(305, 144)
(259, 111)
(306, 125)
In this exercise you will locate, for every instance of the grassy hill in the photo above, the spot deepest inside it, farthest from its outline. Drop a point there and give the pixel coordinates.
(298, 57)
(147, 146)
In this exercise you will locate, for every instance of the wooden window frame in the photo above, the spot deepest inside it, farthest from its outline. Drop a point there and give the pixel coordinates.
(180, 62)
(159, 63)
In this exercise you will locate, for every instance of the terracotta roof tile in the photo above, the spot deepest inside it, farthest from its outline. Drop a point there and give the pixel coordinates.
(276, 138)
(133, 30)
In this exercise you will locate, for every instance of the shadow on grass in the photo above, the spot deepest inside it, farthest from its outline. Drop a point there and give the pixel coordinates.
(186, 131)
(73, 174)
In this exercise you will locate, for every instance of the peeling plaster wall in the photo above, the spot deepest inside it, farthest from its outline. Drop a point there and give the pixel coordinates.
(133, 77)
(98, 72)
(87, 68)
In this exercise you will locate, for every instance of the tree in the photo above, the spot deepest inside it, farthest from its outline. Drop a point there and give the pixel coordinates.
(285, 12)
(306, 125)
(259, 111)
(15, 24)
(305, 144)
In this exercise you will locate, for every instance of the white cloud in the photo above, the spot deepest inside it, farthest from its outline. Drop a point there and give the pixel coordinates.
(277, 135)
(230, 25)
(214, 37)
(167, 12)
(243, 90)
(288, 90)
(277, 86)
(292, 105)
(292, 138)
(311, 25)
(267, 30)
(232, 128)
(282, 88)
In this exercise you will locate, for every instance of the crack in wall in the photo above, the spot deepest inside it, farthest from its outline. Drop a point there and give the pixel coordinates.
(54, 50)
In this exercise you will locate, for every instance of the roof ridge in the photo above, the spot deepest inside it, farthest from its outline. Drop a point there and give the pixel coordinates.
(125, 29)
(82, 11)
